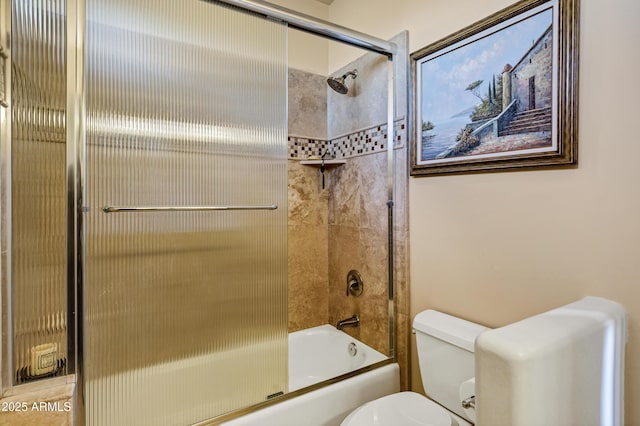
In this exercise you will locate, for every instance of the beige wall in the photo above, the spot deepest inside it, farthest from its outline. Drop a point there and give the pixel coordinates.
(495, 248)
(307, 52)
(426, 20)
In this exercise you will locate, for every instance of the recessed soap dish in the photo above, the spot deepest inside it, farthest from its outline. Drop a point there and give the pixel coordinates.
(318, 163)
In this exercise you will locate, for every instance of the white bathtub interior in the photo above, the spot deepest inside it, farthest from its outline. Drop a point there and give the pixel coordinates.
(321, 353)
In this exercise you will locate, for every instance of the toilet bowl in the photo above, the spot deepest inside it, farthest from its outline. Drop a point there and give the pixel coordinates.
(404, 408)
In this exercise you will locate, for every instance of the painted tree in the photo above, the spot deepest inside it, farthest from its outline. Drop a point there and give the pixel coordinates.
(473, 88)
(490, 104)
(495, 97)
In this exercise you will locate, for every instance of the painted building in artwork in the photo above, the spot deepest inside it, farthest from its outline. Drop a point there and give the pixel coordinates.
(526, 106)
(530, 80)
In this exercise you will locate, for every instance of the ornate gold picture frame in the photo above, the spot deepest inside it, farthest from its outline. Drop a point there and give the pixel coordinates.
(501, 94)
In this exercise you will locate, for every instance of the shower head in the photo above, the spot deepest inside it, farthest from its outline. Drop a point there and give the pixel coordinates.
(337, 83)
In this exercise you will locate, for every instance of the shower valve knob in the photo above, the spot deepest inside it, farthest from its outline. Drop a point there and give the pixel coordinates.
(355, 285)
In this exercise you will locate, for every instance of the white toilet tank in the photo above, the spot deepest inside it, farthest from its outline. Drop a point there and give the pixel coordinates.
(562, 367)
(445, 354)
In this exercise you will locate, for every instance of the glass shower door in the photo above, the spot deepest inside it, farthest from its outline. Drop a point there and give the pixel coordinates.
(38, 221)
(185, 293)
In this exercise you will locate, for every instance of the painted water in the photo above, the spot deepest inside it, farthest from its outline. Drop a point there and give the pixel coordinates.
(444, 135)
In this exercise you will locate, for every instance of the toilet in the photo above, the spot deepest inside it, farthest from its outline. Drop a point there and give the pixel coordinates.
(530, 372)
(445, 356)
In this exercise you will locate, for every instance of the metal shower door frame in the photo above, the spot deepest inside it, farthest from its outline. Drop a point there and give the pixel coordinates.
(6, 343)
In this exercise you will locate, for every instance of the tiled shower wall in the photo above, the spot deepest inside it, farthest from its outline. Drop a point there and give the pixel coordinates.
(308, 238)
(344, 226)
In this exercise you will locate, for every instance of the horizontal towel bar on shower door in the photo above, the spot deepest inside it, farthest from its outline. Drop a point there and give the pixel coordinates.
(120, 209)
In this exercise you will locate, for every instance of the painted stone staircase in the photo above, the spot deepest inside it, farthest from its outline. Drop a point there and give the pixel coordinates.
(533, 120)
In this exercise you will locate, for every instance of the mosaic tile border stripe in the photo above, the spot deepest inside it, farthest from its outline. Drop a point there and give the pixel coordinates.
(367, 141)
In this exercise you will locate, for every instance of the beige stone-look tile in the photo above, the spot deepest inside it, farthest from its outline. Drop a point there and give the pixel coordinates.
(400, 297)
(366, 102)
(364, 250)
(403, 330)
(308, 310)
(401, 187)
(345, 254)
(307, 246)
(374, 322)
(307, 276)
(375, 268)
(307, 203)
(307, 100)
(374, 190)
(308, 251)
(358, 240)
(344, 195)
(401, 268)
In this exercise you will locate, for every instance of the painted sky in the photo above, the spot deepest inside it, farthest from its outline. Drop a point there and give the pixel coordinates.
(445, 78)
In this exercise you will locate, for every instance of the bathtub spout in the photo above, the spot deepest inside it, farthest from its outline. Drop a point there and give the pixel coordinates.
(354, 321)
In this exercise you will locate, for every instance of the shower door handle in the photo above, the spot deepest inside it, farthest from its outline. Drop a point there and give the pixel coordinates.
(4, 80)
(120, 209)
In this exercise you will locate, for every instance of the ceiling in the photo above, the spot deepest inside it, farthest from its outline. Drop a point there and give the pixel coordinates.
(326, 1)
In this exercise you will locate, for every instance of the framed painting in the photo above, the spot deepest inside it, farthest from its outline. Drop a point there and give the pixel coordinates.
(501, 94)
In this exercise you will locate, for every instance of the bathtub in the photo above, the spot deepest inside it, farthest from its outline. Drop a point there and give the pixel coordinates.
(321, 353)
(318, 354)
(315, 355)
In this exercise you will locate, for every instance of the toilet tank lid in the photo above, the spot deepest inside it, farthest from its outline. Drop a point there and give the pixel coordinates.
(450, 329)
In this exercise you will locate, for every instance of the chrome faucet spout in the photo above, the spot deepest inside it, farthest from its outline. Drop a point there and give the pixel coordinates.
(354, 321)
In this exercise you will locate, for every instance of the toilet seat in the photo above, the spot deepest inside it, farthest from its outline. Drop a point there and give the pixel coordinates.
(404, 408)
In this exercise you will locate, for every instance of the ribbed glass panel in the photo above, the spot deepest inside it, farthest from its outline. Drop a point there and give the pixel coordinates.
(39, 188)
(185, 311)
